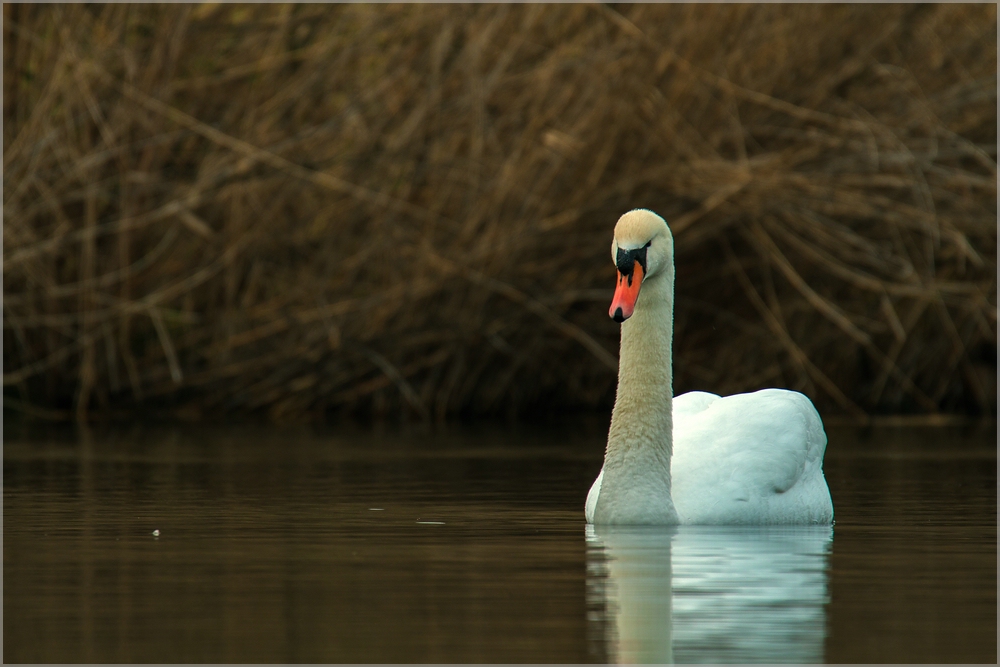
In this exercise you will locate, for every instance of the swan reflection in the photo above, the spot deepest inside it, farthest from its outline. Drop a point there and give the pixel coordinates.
(709, 593)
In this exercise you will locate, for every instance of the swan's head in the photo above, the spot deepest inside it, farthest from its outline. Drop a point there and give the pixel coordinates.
(643, 248)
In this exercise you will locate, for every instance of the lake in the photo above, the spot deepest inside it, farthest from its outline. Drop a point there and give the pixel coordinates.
(468, 544)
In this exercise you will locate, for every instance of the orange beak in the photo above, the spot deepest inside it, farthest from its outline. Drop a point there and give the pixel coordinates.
(626, 294)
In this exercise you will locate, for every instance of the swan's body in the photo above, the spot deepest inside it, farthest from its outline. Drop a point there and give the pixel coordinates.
(698, 459)
(745, 459)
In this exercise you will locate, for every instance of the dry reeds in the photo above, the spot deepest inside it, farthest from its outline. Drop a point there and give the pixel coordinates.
(293, 209)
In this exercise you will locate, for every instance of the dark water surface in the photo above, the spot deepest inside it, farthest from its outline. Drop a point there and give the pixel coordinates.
(470, 546)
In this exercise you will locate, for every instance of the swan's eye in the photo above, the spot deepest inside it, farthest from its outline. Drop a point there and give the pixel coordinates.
(626, 260)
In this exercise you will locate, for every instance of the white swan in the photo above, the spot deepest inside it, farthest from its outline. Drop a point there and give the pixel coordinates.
(696, 459)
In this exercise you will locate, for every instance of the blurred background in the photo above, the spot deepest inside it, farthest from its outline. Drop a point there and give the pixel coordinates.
(305, 212)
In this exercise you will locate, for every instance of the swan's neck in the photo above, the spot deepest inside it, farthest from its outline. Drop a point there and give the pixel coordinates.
(636, 486)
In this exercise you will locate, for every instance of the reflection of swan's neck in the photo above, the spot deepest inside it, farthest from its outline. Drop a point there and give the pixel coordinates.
(640, 442)
(638, 593)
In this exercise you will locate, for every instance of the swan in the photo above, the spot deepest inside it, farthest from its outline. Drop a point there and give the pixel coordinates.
(754, 458)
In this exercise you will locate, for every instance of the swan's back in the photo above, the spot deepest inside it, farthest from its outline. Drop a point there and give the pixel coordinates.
(752, 458)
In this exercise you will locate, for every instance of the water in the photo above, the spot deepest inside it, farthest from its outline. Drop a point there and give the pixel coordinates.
(470, 546)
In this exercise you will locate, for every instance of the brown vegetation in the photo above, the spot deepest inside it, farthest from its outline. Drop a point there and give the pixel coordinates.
(293, 209)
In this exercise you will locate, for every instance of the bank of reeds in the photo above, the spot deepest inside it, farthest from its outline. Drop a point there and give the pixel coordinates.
(301, 209)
